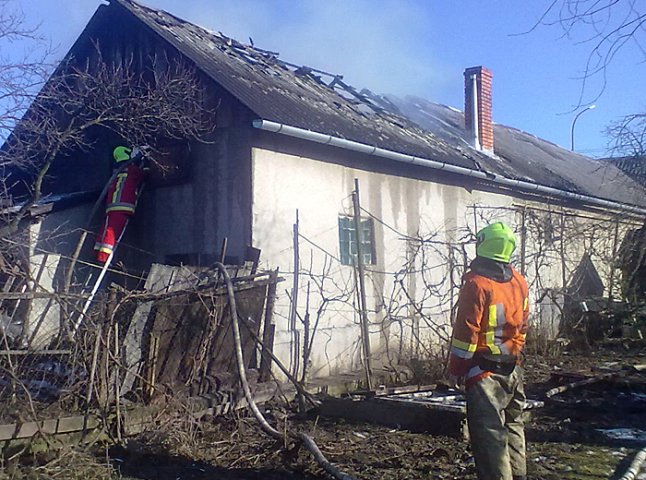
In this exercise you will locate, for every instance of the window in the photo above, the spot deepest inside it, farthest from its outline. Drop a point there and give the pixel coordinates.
(348, 241)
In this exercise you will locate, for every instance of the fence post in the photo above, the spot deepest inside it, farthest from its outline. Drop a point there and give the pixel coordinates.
(268, 327)
(523, 241)
(294, 353)
(562, 253)
(613, 263)
(362, 288)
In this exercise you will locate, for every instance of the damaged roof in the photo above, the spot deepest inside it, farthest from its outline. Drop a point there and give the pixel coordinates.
(294, 95)
(522, 156)
(311, 99)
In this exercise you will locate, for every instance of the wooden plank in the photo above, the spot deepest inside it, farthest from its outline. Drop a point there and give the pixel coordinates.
(132, 345)
(268, 327)
(160, 279)
(208, 288)
(7, 286)
(578, 384)
(41, 209)
(395, 390)
(136, 419)
(261, 393)
(33, 295)
(413, 416)
(14, 431)
(35, 352)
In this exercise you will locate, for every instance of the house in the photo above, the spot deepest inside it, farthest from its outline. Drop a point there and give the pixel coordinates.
(290, 147)
(633, 166)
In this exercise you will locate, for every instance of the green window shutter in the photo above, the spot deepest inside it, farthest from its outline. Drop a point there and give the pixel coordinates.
(348, 241)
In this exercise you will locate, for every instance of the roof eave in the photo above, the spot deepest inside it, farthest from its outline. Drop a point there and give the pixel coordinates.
(499, 180)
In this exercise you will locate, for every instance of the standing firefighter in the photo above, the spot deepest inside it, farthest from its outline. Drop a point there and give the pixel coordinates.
(121, 198)
(488, 337)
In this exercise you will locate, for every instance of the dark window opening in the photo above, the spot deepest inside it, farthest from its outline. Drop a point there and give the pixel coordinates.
(170, 164)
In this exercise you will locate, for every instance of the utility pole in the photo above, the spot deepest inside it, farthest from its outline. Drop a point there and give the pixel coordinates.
(362, 288)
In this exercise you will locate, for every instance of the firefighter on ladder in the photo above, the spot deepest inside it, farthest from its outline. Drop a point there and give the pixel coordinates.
(121, 198)
(488, 337)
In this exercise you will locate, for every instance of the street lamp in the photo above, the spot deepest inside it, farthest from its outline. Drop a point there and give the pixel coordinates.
(589, 107)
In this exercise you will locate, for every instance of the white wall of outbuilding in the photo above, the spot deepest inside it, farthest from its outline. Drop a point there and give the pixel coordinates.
(423, 234)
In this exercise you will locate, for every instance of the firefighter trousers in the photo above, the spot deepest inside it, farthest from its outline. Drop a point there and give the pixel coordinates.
(494, 415)
(113, 227)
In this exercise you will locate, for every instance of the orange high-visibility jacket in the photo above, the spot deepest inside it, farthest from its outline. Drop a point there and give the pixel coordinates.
(492, 317)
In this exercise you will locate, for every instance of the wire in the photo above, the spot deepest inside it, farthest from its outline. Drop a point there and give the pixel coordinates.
(407, 237)
(82, 262)
(129, 246)
(568, 214)
(320, 248)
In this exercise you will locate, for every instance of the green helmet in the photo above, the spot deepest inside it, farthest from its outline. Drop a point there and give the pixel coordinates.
(496, 242)
(121, 154)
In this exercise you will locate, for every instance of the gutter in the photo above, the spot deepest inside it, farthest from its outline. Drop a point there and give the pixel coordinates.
(326, 139)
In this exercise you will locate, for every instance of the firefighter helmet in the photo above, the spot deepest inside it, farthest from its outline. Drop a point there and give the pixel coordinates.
(121, 154)
(496, 242)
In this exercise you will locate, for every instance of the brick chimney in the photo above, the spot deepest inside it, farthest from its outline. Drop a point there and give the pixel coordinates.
(477, 83)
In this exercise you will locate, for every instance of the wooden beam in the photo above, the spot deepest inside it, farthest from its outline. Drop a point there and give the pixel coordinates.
(15, 431)
(33, 295)
(405, 414)
(35, 352)
(395, 390)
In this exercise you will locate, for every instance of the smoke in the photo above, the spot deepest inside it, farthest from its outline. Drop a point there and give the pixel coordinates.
(377, 45)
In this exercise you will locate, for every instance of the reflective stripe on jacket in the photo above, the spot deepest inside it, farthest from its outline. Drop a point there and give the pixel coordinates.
(103, 247)
(122, 193)
(492, 317)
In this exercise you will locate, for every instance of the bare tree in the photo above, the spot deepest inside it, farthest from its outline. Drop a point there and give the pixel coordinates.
(22, 70)
(607, 25)
(140, 102)
(628, 136)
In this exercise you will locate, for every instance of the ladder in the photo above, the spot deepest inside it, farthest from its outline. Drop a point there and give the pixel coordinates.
(108, 262)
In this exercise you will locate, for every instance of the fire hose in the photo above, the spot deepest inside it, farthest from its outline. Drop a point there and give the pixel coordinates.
(635, 466)
(640, 458)
(305, 439)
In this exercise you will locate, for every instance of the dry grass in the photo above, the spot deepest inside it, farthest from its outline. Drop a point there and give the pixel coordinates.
(66, 463)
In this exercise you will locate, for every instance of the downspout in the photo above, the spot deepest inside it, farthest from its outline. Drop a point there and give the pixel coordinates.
(326, 139)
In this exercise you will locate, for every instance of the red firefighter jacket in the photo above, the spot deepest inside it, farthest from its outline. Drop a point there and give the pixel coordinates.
(122, 192)
(492, 318)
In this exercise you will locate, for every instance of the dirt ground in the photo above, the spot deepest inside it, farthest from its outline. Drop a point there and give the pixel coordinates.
(564, 441)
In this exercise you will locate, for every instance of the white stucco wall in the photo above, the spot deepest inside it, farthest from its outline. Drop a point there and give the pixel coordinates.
(401, 207)
(51, 243)
(42, 322)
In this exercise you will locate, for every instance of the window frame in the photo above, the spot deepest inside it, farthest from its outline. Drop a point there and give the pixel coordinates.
(348, 240)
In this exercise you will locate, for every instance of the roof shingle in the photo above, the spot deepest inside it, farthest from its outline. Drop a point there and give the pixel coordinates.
(310, 99)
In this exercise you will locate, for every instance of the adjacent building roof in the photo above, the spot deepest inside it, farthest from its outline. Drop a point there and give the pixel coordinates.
(633, 166)
(311, 99)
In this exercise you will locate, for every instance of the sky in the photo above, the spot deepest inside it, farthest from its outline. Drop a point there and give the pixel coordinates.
(417, 47)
